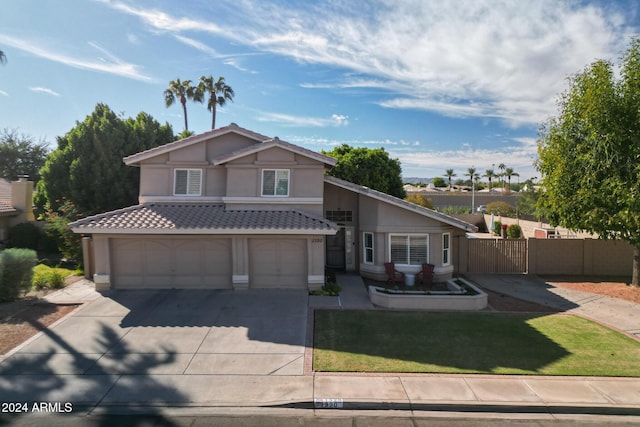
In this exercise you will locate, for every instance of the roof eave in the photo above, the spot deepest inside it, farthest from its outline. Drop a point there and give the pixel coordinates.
(135, 159)
(206, 231)
(429, 213)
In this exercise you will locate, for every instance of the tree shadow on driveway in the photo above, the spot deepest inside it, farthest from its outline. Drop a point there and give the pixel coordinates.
(55, 371)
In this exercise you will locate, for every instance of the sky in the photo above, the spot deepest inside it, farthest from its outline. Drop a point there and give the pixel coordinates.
(438, 84)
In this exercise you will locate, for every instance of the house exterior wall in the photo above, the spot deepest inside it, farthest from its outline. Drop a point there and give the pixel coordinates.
(244, 182)
(384, 219)
(225, 144)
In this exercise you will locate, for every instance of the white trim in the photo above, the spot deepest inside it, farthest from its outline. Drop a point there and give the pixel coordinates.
(447, 250)
(364, 248)
(315, 278)
(409, 235)
(180, 199)
(240, 278)
(273, 199)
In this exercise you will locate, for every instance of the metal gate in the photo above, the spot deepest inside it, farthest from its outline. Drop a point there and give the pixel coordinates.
(497, 256)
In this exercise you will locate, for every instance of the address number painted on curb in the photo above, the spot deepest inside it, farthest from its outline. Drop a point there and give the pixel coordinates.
(335, 403)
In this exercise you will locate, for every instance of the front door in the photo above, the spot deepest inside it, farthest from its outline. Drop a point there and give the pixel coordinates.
(341, 250)
(335, 251)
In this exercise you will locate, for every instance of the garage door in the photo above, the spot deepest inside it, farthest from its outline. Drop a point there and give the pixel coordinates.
(171, 263)
(278, 263)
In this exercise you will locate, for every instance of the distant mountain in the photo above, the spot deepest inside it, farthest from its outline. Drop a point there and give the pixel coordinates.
(414, 180)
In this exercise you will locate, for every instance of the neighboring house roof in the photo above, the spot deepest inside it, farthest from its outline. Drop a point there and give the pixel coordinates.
(6, 205)
(134, 159)
(429, 213)
(275, 142)
(198, 218)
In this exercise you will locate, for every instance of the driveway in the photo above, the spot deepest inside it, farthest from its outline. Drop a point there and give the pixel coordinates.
(175, 344)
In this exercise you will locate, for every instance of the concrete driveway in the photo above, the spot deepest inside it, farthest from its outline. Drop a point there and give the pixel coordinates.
(165, 346)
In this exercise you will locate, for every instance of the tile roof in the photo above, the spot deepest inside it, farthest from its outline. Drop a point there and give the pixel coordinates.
(6, 206)
(198, 218)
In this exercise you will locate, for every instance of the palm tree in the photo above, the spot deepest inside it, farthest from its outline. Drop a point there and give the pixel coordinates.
(508, 172)
(449, 174)
(489, 174)
(471, 173)
(219, 93)
(502, 167)
(182, 90)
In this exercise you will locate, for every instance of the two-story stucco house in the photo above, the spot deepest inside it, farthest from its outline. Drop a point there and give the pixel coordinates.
(231, 208)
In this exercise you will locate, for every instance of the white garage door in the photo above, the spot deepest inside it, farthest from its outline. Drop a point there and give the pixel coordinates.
(278, 263)
(171, 263)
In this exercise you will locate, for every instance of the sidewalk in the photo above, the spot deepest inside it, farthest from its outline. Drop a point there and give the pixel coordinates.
(170, 390)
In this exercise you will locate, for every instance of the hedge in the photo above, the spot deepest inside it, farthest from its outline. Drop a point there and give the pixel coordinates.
(16, 272)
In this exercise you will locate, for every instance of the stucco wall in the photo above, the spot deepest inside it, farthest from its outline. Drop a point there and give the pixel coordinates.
(580, 257)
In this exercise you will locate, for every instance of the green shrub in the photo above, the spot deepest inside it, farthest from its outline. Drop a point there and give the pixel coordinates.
(16, 272)
(329, 289)
(514, 231)
(47, 277)
(26, 235)
(497, 228)
(57, 228)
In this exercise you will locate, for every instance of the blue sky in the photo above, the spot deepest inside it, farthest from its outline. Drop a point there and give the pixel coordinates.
(438, 84)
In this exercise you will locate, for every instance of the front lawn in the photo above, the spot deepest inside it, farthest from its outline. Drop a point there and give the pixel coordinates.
(481, 343)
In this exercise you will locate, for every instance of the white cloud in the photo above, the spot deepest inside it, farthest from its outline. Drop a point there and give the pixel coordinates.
(335, 120)
(3, 93)
(416, 161)
(111, 64)
(237, 64)
(44, 90)
(482, 58)
(198, 45)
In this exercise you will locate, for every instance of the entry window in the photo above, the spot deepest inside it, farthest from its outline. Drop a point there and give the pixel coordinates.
(368, 248)
(187, 182)
(275, 182)
(409, 249)
(446, 248)
(339, 216)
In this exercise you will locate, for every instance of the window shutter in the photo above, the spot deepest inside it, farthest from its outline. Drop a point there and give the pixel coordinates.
(399, 249)
(417, 249)
(194, 182)
(181, 182)
(282, 178)
(268, 182)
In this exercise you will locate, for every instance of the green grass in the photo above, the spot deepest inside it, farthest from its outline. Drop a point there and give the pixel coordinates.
(49, 277)
(482, 343)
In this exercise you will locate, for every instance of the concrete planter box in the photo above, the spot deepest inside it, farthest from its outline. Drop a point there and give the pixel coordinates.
(454, 299)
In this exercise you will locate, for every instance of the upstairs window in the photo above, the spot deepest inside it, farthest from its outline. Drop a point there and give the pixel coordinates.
(275, 182)
(187, 182)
